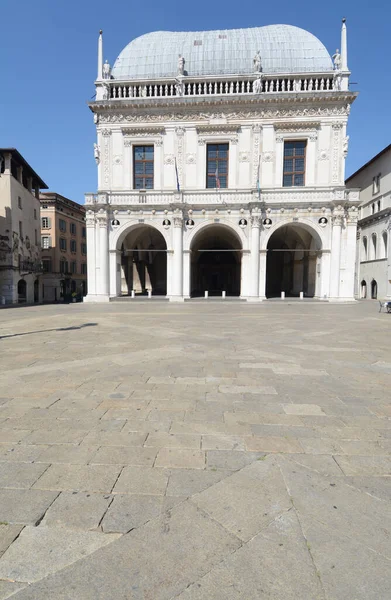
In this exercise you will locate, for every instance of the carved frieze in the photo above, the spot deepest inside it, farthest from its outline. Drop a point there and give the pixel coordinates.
(267, 113)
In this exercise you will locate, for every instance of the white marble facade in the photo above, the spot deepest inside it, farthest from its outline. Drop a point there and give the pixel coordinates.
(255, 238)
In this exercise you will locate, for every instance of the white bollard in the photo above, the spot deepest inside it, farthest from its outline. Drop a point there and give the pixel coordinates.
(282, 295)
(223, 294)
(301, 295)
(206, 293)
(133, 293)
(149, 293)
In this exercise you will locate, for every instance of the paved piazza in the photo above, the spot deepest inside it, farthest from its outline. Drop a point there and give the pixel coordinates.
(208, 450)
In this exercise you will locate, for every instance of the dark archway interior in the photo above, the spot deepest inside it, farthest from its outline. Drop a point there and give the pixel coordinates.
(22, 290)
(144, 262)
(291, 262)
(374, 289)
(216, 262)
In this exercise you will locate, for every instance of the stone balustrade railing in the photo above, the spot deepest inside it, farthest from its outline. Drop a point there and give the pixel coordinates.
(183, 86)
(273, 196)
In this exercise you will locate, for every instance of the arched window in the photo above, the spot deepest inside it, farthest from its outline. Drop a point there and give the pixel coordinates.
(373, 246)
(373, 289)
(365, 248)
(363, 289)
(378, 205)
(373, 208)
(384, 236)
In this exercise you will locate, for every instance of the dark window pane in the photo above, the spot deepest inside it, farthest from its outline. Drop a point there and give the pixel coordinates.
(211, 182)
(299, 179)
(287, 181)
(138, 154)
(299, 164)
(139, 168)
(138, 183)
(288, 164)
(300, 145)
(212, 164)
(148, 152)
(148, 168)
(148, 184)
(212, 154)
(223, 167)
(223, 181)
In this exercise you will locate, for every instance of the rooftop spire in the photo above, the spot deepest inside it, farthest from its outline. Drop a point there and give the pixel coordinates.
(100, 56)
(344, 47)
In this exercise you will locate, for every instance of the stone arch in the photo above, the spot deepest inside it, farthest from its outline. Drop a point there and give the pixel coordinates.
(216, 260)
(117, 235)
(317, 232)
(373, 249)
(365, 247)
(236, 229)
(292, 256)
(141, 250)
(384, 237)
(22, 291)
(363, 293)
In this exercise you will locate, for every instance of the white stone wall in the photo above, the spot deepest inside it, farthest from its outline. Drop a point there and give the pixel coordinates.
(256, 138)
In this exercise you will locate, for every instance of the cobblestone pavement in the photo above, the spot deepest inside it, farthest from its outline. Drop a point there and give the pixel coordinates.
(206, 450)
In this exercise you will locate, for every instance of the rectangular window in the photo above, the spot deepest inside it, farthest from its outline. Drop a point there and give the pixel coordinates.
(45, 223)
(35, 213)
(63, 244)
(294, 163)
(63, 266)
(217, 165)
(62, 225)
(36, 237)
(19, 202)
(376, 184)
(83, 232)
(20, 229)
(45, 242)
(84, 249)
(83, 268)
(143, 167)
(47, 265)
(72, 228)
(73, 246)
(73, 267)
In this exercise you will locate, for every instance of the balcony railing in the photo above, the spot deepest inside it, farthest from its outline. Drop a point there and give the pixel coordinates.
(264, 84)
(215, 197)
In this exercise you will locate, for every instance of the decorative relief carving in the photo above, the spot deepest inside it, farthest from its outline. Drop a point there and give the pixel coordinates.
(127, 142)
(191, 159)
(293, 127)
(279, 138)
(117, 160)
(106, 157)
(106, 132)
(313, 136)
(219, 129)
(169, 159)
(143, 131)
(180, 135)
(256, 221)
(267, 157)
(323, 155)
(338, 216)
(336, 129)
(244, 157)
(256, 150)
(90, 218)
(269, 113)
(352, 215)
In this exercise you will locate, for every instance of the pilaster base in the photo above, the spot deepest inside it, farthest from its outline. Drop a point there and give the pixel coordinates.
(255, 299)
(96, 298)
(176, 298)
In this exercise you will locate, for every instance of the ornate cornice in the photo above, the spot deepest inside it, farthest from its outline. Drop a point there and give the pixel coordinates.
(218, 129)
(295, 125)
(142, 131)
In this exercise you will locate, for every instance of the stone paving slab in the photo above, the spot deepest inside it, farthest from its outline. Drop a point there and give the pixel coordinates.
(213, 464)
(8, 533)
(52, 549)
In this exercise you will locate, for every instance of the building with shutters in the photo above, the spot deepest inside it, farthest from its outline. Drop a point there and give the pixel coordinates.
(20, 247)
(221, 165)
(64, 248)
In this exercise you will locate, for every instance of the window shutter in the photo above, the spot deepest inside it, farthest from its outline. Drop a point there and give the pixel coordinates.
(50, 241)
(49, 222)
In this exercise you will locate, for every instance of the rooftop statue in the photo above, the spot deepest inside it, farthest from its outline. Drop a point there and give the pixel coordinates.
(337, 60)
(106, 71)
(257, 62)
(181, 65)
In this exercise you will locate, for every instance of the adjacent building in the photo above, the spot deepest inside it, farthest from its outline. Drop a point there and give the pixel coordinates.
(20, 243)
(373, 276)
(221, 167)
(64, 248)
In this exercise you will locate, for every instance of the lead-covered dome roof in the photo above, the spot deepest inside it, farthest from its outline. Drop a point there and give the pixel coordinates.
(283, 48)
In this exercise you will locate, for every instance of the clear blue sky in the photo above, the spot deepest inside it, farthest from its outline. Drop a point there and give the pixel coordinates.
(48, 52)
